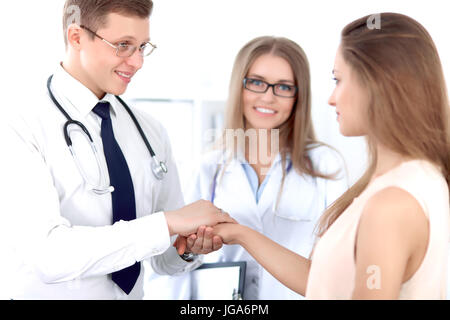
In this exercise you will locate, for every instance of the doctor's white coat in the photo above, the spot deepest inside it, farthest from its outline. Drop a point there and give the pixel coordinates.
(303, 201)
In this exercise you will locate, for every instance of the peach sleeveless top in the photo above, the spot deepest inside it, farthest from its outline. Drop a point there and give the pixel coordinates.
(333, 269)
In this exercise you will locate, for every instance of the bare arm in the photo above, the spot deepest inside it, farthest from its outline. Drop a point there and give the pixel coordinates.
(285, 265)
(390, 245)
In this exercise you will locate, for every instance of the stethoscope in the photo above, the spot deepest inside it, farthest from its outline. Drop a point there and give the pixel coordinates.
(280, 190)
(159, 168)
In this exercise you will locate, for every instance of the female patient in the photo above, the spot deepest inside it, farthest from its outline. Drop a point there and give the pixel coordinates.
(387, 236)
(276, 180)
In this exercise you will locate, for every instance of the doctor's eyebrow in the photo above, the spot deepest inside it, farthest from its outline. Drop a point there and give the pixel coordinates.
(127, 38)
(256, 76)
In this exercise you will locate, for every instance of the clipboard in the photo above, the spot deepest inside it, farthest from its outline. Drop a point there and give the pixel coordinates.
(218, 281)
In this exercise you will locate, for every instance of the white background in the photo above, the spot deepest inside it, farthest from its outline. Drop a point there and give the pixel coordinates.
(197, 42)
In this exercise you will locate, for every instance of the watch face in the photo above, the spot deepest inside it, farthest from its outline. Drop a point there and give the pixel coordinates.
(188, 256)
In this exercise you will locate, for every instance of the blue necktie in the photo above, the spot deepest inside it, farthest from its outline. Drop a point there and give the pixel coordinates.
(123, 201)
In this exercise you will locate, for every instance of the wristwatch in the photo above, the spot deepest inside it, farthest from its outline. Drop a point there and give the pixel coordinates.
(188, 257)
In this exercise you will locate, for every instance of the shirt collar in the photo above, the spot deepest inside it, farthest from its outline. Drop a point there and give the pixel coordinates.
(76, 94)
(240, 158)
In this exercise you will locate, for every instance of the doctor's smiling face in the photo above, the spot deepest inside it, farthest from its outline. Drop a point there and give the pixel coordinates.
(98, 66)
(265, 110)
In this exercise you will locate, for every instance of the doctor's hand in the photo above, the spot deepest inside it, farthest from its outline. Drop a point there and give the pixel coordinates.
(203, 242)
(187, 220)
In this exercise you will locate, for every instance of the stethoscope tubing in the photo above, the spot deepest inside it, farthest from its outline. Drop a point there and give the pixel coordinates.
(158, 168)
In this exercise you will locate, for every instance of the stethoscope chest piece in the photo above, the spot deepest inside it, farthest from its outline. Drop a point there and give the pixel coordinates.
(159, 168)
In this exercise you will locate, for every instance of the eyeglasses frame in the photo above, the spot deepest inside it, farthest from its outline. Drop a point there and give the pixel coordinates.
(117, 47)
(268, 86)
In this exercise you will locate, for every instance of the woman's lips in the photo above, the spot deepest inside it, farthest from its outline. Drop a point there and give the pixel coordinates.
(265, 112)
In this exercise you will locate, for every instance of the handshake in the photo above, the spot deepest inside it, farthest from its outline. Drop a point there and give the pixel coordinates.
(201, 227)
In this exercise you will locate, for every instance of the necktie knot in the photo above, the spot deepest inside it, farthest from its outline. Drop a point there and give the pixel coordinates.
(102, 110)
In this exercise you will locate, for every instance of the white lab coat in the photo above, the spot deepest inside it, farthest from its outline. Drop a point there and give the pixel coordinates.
(302, 202)
(56, 238)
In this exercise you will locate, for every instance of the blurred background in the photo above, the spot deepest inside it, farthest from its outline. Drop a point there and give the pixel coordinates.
(184, 83)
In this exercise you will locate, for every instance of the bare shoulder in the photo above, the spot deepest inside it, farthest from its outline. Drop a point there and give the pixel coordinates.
(394, 211)
(393, 202)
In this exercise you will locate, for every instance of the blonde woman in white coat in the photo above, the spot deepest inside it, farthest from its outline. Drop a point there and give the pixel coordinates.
(279, 179)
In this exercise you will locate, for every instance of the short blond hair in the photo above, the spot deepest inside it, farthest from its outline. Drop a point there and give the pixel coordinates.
(93, 14)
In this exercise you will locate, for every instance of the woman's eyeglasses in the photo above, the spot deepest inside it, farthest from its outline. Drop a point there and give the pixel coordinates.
(279, 89)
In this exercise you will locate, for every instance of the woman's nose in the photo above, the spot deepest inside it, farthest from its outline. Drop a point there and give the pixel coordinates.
(269, 95)
(332, 100)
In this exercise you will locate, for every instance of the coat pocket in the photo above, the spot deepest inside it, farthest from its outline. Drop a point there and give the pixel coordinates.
(301, 200)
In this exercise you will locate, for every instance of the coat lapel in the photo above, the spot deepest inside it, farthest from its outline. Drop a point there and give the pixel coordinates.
(239, 196)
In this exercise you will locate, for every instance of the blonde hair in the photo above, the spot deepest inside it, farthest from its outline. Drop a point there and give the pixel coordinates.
(408, 109)
(297, 134)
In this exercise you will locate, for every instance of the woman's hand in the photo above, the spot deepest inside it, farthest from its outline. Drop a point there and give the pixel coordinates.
(204, 242)
(231, 233)
(187, 220)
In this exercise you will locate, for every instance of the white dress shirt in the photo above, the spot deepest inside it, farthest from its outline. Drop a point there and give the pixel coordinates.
(57, 241)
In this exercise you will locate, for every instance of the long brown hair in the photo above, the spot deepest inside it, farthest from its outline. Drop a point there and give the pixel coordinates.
(408, 109)
(297, 134)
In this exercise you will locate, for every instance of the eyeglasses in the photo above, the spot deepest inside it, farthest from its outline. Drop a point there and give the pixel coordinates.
(279, 89)
(125, 50)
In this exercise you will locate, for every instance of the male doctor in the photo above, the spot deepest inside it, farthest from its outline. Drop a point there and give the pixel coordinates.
(59, 238)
